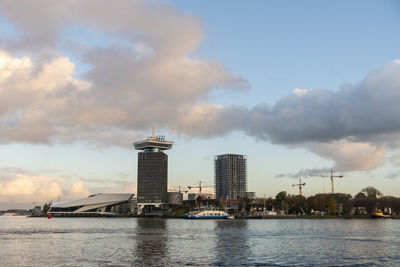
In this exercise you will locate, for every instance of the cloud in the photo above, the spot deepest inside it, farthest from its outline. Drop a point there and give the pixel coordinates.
(22, 186)
(350, 156)
(365, 112)
(354, 126)
(27, 189)
(142, 70)
(393, 175)
(304, 173)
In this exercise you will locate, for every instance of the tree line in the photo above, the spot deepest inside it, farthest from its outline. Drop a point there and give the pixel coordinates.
(368, 200)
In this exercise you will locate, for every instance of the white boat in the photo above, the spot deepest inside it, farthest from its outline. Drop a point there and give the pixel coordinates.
(8, 213)
(206, 213)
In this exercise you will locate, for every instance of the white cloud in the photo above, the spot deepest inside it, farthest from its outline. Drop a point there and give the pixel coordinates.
(144, 71)
(25, 187)
(350, 156)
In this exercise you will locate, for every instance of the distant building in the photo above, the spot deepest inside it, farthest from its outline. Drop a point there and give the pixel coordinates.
(152, 177)
(230, 176)
(37, 211)
(175, 198)
(251, 194)
(194, 196)
(96, 205)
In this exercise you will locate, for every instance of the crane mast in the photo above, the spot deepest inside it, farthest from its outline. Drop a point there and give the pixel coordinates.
(329, 176)
(199, 187)
(300, 185)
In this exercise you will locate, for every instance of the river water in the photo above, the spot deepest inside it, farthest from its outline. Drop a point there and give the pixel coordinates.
(175, 242)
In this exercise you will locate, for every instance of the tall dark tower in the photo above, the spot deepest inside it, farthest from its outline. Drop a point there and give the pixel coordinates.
(152, 178)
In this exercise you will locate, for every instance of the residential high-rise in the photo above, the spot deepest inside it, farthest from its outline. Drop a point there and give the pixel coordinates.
(230, 176)
(152, 178)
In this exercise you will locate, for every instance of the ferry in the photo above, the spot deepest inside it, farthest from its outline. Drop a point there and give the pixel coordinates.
(206, 213)
(379, 214)
(9, 213)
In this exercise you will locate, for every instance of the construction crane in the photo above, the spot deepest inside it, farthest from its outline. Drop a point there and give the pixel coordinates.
(179, 190)
(331, 176)
(199, 187)
(300, 185)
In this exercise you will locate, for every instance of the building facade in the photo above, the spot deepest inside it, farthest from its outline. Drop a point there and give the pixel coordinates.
(152, 176)
(230, 176)
(95, 205)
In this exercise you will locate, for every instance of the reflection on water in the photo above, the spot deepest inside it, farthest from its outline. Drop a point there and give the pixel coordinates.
(232, 246)
(175, 242)
(151, 242)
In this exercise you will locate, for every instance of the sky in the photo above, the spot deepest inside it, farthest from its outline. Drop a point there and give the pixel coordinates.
(300, 88)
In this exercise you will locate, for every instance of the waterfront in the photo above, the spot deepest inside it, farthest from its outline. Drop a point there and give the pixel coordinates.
(160, 242)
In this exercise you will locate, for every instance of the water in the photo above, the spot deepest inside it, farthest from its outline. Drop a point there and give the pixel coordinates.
(174, 242)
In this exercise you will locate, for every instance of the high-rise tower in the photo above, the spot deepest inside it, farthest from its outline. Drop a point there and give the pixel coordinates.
(152, 178)
(230, 176)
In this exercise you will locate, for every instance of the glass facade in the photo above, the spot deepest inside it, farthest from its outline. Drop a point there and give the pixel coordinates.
(152, 177)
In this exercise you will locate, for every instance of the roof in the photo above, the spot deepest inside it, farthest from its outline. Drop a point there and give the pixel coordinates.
(154, 142)
(94, 199)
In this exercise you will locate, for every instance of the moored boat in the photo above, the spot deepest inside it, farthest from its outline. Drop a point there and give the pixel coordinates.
(379, 214)
(206, 213)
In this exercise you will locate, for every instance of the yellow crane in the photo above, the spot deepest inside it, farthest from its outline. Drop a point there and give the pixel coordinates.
(300, 185)
(199, 186)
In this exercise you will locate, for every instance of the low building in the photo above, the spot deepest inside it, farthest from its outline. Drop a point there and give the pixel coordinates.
(175, 198)
(203, 196)
(250, 195)
(36, 211)
(96, 205)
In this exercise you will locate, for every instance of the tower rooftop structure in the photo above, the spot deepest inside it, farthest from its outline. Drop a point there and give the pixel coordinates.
(153, 143)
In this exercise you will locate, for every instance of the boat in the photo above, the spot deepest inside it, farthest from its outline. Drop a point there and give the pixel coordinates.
(206, 213)
(379, 214)
(8, 213)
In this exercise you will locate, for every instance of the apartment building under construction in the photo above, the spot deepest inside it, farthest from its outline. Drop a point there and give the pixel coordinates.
(230, 176)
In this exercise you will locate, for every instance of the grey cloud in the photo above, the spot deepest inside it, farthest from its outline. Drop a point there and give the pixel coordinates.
(365, 112)
(393, 175)
(146, 72)
(304, 173)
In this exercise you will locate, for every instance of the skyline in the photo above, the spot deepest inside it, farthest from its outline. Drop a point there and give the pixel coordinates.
(298, 88)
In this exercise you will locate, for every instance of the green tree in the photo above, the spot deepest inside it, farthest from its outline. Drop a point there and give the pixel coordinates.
(282, 201)
(331, 206)
(46, 207)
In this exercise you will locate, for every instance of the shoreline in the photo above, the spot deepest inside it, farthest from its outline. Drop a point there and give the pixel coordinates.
(287, 217)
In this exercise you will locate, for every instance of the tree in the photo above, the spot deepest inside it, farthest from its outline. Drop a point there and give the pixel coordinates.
(221, 204)
(372, 192)
(46, 207)
(360, 196)
(281, 200)
(331, 206)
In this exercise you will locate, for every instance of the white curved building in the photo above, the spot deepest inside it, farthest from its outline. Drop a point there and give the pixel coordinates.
(95, 205)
